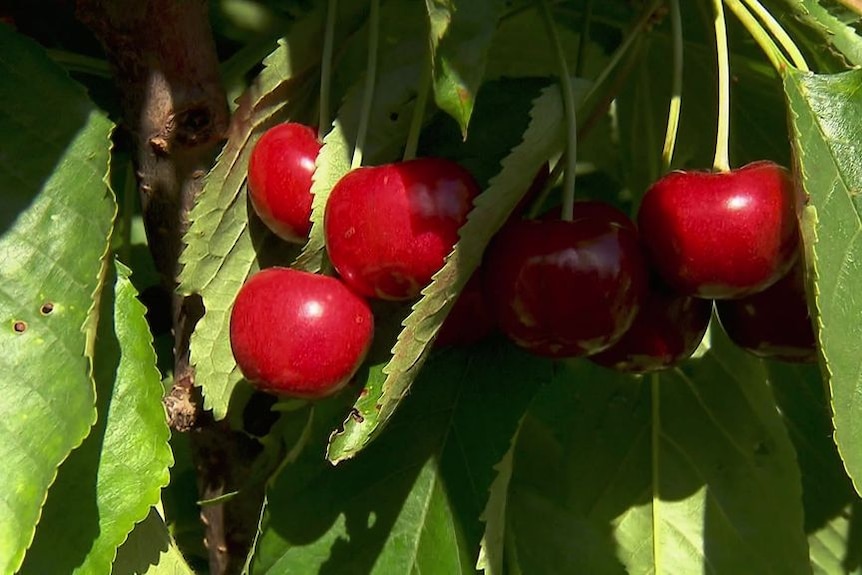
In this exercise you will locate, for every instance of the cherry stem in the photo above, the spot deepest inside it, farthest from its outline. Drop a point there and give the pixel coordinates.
(655, 443)
(722, 139)
(778, 32)
(326, 69)
(583, 42)
(418, 111)
(570, 112)
(676, 89)
(370, 79)
(754, 28)
(540, 200)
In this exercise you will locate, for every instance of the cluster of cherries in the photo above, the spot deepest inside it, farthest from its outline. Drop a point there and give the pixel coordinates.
(635, 299)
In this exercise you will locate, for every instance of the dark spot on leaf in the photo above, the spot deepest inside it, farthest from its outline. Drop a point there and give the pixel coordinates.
(19, 326)
(393, 116)
(355, 416)
(761, 448)
(364, 392)
(47, 308)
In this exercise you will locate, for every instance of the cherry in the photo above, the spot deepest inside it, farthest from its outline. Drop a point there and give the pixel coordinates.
(666, 331)
(567, 288)
(470, 320)
(774, 323)
(389, 228)
(721, 235)
(299, 334)
(279, 179)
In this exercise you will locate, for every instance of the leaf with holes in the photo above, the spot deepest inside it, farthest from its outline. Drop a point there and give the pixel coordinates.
(826, 117)
(90, 509)
(56, 215)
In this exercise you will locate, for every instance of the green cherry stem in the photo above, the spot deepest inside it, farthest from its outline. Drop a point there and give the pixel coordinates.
(326, 69)
(655, 444)
(722, 139)
(419, 111)
(778, 32)
(542, 197)
(584, 40)
(370, 79)
(676, 88)
(754, 28)
(570, 114)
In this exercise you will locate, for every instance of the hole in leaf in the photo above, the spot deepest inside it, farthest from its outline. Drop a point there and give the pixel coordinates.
(19, 326)
(47, 308)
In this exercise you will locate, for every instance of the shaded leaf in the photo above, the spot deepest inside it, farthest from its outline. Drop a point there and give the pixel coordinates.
(831, 32)
(150, 550)
(461, 35)
(56, 215)
(826, 117)
(90, 509)
(713, 488)
(411, 502)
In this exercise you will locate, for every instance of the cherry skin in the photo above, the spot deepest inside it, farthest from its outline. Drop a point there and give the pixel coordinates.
(470, 320)
(666, 331)
(721, 235)
(279, 179)
(299, 334)
(389, 228)
(775, 323)
(567, 288)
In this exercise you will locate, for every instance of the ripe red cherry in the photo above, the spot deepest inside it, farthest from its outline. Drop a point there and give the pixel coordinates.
(567, 288)
(470, 320)
(666, 331)
(299, 334)
(279, 179)
(774, 323)
(721, 235)
(388, 228)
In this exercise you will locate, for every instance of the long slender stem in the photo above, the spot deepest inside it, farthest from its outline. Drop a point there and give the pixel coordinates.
(655, 440)
(370, 80)
(776, 58)
(722, 139)
(542, 197)
(584, 40)
(676, 89)
(570, 114)
(326, 68)
(419, 111)
(779, 33)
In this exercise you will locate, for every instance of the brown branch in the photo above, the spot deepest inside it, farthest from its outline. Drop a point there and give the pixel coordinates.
(174, 106)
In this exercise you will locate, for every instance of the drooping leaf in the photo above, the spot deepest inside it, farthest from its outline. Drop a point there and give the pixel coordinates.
(150, 550)
(826, 117)
(411, 502)
(690, 471)
(90, 509)
(841, 40)
(461, 35)
(541, 140)
(56, 215)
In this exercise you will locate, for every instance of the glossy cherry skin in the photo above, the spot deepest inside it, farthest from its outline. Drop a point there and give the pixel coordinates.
(721, 235)
(666, 331)
(775, 323)
(566, 288)
(299, 334)
(389, 228)
(279, 179)
(470, 320)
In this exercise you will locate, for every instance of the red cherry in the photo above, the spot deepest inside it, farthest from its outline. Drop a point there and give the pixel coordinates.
(279, 179)
(721, 235)
(666, 331)
(567, 288)
(389, 228)
(470, 320)
(774, 323)
(299, 334)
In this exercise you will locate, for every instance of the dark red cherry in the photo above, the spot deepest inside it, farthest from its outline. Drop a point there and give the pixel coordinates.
(470, 320)
(389, 228)
(774, 323)
(566, 288)
(666, 331)
(721, 235)
(299, 334)
(279, 179)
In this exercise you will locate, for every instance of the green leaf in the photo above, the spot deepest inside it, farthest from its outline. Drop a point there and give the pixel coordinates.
(461, 35)
(56, 215)
(150, 550)
(411, 502)
(90, 509)
(830, 32)
(689, 471)
(836, 548)
(541, 140)
(826, 116)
